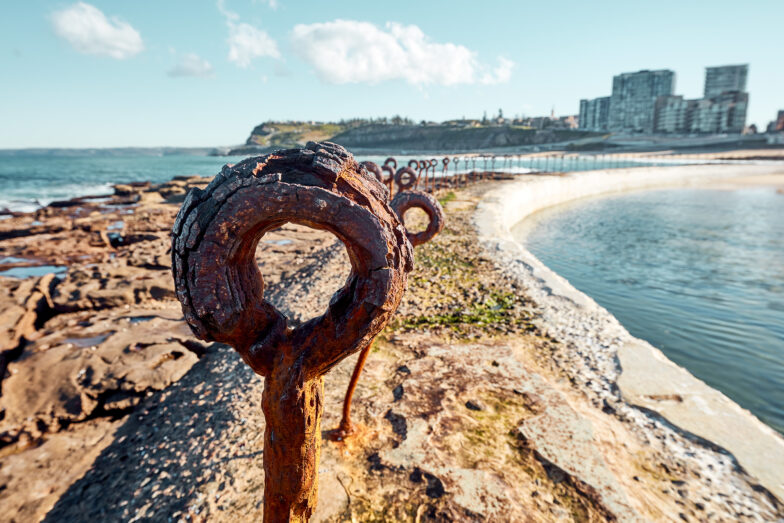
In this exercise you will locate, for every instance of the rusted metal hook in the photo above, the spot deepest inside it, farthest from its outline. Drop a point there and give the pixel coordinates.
(405, 178)
(401, 203)
(390, 178)
(432, 167)
(221, 290)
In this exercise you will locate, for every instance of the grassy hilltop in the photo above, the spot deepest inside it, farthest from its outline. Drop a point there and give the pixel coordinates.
(404, 134)
(292, 134)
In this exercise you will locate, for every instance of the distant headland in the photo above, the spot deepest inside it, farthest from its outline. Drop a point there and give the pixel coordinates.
(403, 134)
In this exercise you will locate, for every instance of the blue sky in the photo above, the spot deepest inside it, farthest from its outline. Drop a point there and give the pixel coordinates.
(203, 73)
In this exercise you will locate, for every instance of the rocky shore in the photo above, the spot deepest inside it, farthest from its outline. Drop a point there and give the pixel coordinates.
(472, 406)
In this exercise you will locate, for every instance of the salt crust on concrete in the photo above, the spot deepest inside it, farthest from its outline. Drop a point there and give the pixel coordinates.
(645, 377)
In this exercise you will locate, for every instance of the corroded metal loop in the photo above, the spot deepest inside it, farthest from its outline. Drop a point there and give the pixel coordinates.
(445, 161)
(410, 199)
(390, 171)
(414, 164)
(373, 168)
(217, 278)
(405, 178)
(392, 161)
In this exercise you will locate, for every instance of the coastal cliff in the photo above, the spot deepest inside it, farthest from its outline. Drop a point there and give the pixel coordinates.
(445, 137)
(450, 138)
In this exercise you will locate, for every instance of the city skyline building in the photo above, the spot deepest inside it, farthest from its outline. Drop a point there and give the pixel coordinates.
(671, 114)
(725, 78)
(633, 99)
(644, 102)
(725, 113)
(594, 113)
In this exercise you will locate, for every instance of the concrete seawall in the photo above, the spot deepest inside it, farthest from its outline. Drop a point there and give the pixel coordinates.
(622, 364)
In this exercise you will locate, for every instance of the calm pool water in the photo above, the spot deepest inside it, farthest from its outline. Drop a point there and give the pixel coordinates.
(698, 273)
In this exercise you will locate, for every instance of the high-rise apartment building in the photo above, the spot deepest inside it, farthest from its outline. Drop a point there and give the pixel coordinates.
(724, 79)
(671, 114)
(643, 102)
(725, 113)
(594, 113)
(634, 97)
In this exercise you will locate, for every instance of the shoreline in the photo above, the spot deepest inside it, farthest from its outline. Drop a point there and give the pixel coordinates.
(467, 409)
(643, 376)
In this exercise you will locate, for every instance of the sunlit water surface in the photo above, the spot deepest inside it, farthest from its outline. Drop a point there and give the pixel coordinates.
(699, 273)
(29, 180)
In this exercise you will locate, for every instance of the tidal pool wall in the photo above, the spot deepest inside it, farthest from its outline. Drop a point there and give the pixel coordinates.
(642, 374)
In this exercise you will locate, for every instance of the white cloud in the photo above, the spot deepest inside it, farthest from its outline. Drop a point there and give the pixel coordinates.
(230, 15)
(500, 74)
(348, 51)
(191, 65)
(272, 4)
(247, 42)
(88, 30)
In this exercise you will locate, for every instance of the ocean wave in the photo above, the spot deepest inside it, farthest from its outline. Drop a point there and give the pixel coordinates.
(29, 201)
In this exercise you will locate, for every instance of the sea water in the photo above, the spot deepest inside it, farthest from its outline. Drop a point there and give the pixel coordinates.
(698, 273)
(31, 179)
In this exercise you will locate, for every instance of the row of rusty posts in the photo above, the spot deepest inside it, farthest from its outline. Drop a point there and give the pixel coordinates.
(423, 174)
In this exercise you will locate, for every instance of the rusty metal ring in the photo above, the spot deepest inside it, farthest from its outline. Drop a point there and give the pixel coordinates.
(392, 161)
(373, 167)
(389, 170)
(410, 199)
(408, 181)
(445, 161)
(217, 278)
(414, 164)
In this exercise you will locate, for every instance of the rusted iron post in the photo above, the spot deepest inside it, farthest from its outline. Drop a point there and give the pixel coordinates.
(445, 172)
(406, 177)
(221, 290)
(389, 178)
(400, 204)
(390, 166)
(423, 166)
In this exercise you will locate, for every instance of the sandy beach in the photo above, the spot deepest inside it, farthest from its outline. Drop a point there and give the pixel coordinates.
(497, 393)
